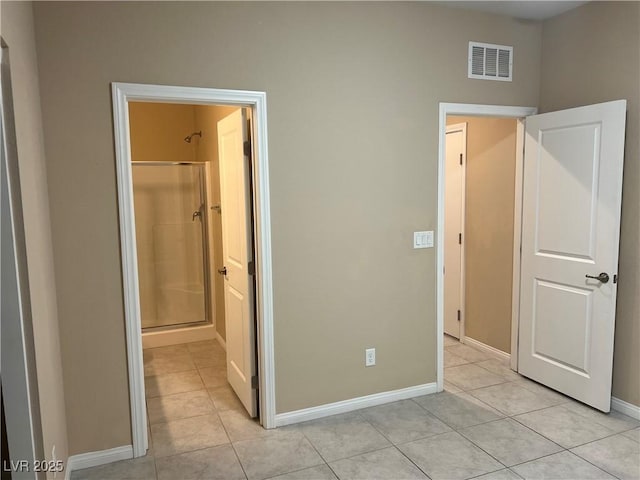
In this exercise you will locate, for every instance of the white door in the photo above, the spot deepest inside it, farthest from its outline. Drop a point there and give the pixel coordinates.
(453, 226)
(570, 233)
(235, 195)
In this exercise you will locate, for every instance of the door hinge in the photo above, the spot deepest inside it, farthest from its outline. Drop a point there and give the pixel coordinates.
(459, 315)
(460, 159)
(254, 382)
(251, 268)
(246, 147)
(460, 239)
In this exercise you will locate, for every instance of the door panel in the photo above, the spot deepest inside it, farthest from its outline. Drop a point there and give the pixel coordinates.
(566, 210)
(570, 228)
(237, 253)
(555, 301)
(453, 226)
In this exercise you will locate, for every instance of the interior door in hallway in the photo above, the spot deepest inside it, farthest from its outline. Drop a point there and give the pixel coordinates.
(570, 236)
(453, 227)
(237, 247)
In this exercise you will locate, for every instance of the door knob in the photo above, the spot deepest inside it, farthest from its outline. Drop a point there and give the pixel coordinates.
(223, 271)
(196, 214)
(603, 277)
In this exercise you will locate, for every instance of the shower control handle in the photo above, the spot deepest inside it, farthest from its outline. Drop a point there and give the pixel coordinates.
(223, 271)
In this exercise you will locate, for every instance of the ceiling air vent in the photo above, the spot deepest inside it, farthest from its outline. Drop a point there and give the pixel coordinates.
(490, 62)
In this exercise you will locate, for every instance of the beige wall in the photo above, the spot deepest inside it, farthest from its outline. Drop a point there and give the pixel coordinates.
(17, 31)
(591, 55)
(207, 118)
(352, 93)
(489, 208)
(160, 129)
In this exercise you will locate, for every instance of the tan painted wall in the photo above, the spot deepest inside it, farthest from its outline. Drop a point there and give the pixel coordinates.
(158, 131)
(352, 92)
(17, 31)
(207, 118)
(490, 188)
(591, 55)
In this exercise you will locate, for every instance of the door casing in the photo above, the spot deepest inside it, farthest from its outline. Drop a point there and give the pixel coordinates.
(122, 93)
(20, 393)
(469, 109)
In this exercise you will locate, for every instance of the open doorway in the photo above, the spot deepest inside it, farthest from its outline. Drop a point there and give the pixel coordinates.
(455, 118)
(197, 245)
(568, 189)
(479, 231)
(193, 258)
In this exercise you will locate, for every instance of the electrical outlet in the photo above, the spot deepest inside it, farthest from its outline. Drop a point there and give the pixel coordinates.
(369, 357)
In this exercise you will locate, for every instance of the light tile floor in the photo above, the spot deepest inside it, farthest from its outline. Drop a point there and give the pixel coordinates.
(490, 423)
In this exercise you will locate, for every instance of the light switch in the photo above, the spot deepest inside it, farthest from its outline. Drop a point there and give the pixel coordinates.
(423, 239)
(429, 238)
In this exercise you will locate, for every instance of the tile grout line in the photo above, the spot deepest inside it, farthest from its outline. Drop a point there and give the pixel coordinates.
(570, 452)
(315, 450)
(235, 452)
(215, 412)
(454, 429)
(566, 448)
(563, 448)
(394, 445)
(459, 432)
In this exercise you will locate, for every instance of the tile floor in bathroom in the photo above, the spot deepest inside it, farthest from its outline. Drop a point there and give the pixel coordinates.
(490, 423)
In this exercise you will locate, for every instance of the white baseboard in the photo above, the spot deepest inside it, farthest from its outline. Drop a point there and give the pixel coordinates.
(94, 459)
(344, 406)
(221, 341)
(627, 408)
(488, 349)
(178, 335)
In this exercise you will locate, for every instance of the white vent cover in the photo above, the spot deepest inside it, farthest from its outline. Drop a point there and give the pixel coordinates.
(490, 62)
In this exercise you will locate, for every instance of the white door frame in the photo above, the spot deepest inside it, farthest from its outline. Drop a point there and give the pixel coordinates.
(469, 109)
(122, 93)
(20, 393)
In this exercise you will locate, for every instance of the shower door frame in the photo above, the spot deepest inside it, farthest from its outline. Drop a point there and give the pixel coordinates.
(122, 93)
(206, 260)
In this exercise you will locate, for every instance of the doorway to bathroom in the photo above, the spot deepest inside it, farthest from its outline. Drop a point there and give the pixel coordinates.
(195, 236)
(178, 221)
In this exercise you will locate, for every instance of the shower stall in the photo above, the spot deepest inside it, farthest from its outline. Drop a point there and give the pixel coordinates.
(172, 242)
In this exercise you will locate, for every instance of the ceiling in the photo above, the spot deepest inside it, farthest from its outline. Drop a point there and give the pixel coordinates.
(529, 10)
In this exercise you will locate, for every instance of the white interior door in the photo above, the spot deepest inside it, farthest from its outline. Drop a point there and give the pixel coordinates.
(453, 227)
(235, 194)
(570, 231)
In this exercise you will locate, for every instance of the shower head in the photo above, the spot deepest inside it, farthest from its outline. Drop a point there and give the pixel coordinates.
(189, 137)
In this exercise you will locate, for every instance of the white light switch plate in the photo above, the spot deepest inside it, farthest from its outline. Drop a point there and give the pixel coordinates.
(423, 239)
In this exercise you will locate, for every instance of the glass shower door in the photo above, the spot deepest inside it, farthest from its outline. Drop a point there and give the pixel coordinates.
(169, 202)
